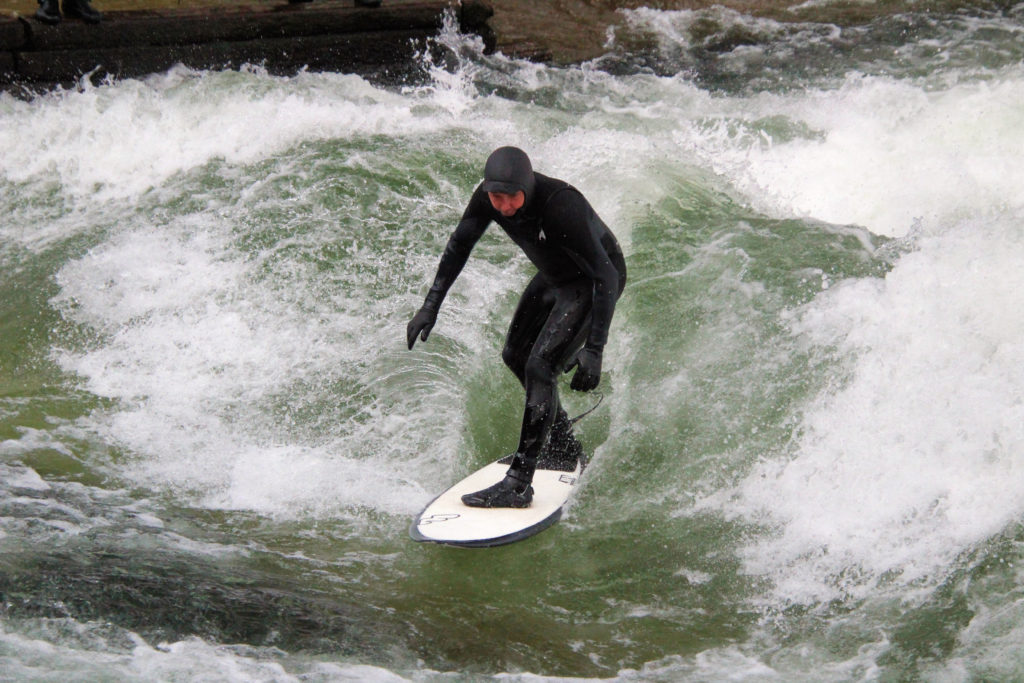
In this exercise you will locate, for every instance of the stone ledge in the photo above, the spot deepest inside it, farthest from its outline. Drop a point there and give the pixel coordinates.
(328, 35)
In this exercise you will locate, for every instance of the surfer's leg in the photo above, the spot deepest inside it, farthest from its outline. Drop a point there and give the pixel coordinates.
(530, 319)
(527, 322)
(531, 313)
(563, 326)
(531, 316)
(547, 331)
(561, 337)
(562, 450)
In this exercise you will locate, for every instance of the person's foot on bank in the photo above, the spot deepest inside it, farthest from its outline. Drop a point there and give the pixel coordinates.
(48, 12)
(507, 493)
(80, 9)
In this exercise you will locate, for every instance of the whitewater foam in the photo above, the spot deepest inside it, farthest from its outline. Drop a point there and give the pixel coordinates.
(914, 459)
(121, 140)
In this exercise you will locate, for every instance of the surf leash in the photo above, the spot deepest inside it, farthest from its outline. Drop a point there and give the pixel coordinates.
(574, 420)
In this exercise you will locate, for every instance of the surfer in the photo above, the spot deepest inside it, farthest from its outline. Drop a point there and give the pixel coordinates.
(563, 315)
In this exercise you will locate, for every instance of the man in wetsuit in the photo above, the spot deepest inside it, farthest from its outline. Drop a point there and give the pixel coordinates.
(563, 316)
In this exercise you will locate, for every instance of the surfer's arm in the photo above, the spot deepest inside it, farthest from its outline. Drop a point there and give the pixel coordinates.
(580, 232)
(605, 278)
(467, 233)
(469, 230)
(580, 237)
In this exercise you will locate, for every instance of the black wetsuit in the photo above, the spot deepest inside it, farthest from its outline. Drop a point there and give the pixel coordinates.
(568, 305)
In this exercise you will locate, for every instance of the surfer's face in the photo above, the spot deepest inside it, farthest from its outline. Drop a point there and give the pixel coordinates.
(507, 204)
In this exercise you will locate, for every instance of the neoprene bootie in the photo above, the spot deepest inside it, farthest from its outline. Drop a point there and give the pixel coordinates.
(80, 9)
(48, 12)
(563, 449)
(514, 491)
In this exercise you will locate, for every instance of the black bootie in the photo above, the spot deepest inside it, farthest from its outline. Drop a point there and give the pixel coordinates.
(514, 491)
(80, 9)
(563, 449)
(48, 12)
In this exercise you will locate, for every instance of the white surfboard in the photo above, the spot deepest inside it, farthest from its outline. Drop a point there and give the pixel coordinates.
(448, 520)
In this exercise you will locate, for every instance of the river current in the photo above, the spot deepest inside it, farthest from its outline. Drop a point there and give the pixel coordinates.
(809, 461)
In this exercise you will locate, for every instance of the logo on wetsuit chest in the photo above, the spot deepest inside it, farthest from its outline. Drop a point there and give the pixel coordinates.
(541, 237)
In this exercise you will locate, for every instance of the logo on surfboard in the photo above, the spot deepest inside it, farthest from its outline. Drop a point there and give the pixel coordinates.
(439, 517)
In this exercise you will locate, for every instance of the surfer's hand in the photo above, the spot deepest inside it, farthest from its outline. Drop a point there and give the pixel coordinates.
(588, 369)
(421, 324)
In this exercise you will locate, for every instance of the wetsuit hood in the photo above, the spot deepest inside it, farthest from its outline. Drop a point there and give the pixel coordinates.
(508, 170)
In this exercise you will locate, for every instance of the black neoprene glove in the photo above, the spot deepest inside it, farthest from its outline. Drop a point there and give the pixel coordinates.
(588, 369)
(421, 324)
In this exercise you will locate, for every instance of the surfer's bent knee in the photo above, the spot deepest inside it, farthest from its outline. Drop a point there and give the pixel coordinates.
(539, 369)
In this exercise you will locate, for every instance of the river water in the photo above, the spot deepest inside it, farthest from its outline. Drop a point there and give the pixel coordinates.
(809, 463)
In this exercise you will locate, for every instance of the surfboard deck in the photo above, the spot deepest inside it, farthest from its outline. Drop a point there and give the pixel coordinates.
(447, 520)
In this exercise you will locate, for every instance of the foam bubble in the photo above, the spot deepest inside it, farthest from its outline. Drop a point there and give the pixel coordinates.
(194, 350)
(991, 647)
(892, 156)
(97, 651)
(915, 458)
(236, 390)
(884, 152)
(121, 140)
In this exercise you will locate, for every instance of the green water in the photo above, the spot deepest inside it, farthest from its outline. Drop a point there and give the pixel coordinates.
(806, 465)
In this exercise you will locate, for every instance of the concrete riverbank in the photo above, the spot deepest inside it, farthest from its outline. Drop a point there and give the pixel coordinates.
(336, 35)
(137, 37)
